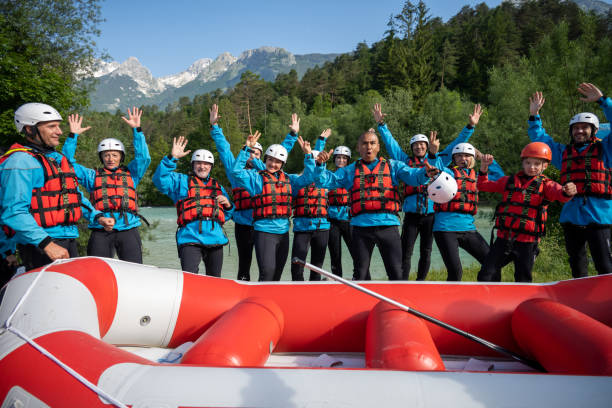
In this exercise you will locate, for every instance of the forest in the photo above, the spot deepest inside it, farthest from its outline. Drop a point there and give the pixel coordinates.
(426, 73)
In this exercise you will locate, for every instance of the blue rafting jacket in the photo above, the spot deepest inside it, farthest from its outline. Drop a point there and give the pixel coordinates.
(87, 177)
(443, 158)
(242, 217)
(7, 245)
(344, 177)
(581, 210)
(459, 222)
(251, 181)
(176, 186)
(340, 213)
(19, 175)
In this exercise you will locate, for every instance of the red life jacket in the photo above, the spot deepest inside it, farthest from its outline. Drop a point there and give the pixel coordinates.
(58, 201)
(274, 201)
(373, 191)
(200, 203)
(114, 191)
(410, 190)
(522, 213)
(338, 197)
(586, 169)
(310, 202)
(9, 232)
(466, 199)
(242, 199)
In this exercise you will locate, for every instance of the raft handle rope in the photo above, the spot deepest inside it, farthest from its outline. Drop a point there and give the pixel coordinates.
(486, 343)
(7, 326)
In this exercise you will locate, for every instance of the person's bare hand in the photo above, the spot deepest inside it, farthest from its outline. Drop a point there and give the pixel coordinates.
(178, 147)
(295, 123)
(223, 201)
(11, 260)
(133, 119)
(326, 133)
(379, 117)
(324, 156)
(75, 121)
(54, 251)
(431, 171)
(304, 145)
(214, 114)
(536, 101)
(485, 162)
(434, 142)
(570, 189)
(107, 222)
(475, 116)
(591, 92)
(252, 139)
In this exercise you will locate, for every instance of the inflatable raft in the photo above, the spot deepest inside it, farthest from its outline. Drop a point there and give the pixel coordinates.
(92, 332)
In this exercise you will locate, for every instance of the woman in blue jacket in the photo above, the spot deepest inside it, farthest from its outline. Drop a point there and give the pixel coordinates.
(202, 207)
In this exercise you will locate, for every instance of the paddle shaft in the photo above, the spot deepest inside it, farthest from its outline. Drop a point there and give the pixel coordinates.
(500, 349)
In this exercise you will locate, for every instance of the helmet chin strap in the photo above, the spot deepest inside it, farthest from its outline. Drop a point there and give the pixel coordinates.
(37, 140)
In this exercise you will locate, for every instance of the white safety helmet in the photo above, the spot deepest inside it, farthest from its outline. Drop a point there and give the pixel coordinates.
(315, 153)
(277, 151)
(464, 148)
(442, 189)
(585, 117)
(30, 114)
(258, 146)
(419, 138)
(203, 155)
(343, 150)
(110, 144)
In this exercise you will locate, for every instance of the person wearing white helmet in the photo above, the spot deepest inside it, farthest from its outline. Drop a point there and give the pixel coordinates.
(243, 202)
(271, 190)
(202, 207)
(374, 202)
(112, 188)
(587, 162)
(454, 226)
(418, 208)
(40, 199)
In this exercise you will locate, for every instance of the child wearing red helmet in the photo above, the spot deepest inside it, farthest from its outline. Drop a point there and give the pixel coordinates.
(521, 215)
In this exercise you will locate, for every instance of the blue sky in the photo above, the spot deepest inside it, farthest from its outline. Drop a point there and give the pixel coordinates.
(169, 35)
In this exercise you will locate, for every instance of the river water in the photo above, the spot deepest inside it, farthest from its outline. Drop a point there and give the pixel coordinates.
(160, 248)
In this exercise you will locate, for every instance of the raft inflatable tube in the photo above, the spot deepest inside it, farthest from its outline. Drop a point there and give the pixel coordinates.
(80, 333)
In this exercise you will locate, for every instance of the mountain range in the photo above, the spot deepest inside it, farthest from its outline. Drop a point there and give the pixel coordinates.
(121, 85)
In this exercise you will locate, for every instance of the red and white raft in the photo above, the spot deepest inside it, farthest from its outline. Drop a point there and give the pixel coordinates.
(88, 332)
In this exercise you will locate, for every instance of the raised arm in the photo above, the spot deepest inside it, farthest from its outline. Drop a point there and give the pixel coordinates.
(393, 148)
(536, 131)
(142, 158)
(464, 135)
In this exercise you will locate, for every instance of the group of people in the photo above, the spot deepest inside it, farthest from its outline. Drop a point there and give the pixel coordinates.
(358, 202)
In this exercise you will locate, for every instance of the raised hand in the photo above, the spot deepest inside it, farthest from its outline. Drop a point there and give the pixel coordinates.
(326, 133)
(379, 117)
(431, 171)
(178, 147)
(590, 91)
(475, 116)
(214, 114)
(75, 121)
(133, 118)
(570, 188)
(295, 123)
(434, 142)
(536, 101)
(252, 139)
(304, 145)
(324, 156)
(485, 162)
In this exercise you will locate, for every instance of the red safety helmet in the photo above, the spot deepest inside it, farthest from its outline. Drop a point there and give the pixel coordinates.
(537, 150)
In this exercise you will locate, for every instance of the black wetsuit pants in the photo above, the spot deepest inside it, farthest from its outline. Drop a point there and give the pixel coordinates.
(316, 241)
(244, 241)
(598, 238)
(523, 254)
(271, 251)
(387, 238)
(449, 242)
(192, 254)
(126, 244)
(415, 224)
(33, 257)
(339, 230)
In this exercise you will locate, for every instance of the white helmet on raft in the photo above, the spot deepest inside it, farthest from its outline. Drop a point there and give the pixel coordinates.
(343, 150)
(203, 155)
(419, 138)
(465, 148)
(33, 113)
(442, 189)
(277, 151)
